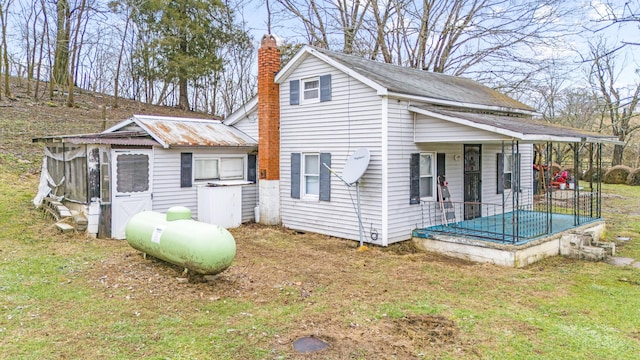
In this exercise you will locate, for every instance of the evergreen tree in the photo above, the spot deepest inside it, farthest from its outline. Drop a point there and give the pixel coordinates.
(185, 36)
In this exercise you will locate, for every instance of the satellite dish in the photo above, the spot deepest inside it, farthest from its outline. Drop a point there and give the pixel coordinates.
(355, 166)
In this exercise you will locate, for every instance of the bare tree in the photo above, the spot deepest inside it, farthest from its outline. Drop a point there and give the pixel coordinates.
(609, 14)
(74, 54)
(619, 105)
(495, 41)
(44, 35)
(60, 71)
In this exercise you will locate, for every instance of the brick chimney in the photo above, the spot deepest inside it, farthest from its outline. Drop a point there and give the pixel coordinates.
(269, 131)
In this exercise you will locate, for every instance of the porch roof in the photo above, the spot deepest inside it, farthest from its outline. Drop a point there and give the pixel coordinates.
(517, 127)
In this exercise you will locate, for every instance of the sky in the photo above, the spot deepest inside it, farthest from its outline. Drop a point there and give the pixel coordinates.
(255, 16)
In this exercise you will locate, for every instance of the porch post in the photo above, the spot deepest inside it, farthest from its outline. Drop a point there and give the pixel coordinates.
(515, 190)
(549, 193)
(576, 193)
(502, 193)
(599, 183)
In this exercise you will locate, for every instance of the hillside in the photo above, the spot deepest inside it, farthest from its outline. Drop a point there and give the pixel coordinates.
(22, 119)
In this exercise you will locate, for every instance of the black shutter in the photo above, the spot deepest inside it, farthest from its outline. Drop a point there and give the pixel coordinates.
(500, 173)
(295, 175)
(440, 166)
(414, 176)
(251, 167)
(325, 177)
(325, 88)
(294, 92)
(186, 169)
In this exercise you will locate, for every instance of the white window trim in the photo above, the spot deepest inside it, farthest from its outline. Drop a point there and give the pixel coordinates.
(504, 169)
(303, 175)
(302, 90)
(220, 175)
(433, 176)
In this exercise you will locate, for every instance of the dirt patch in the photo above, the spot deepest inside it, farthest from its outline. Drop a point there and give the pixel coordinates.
(426, 329)
(327, 277)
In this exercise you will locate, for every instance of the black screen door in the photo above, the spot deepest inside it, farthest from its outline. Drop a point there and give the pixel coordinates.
(472, 181)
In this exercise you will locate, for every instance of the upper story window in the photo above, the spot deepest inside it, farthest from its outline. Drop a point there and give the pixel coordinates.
(310, 90)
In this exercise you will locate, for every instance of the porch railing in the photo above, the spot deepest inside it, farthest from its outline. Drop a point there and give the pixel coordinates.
(514, 221)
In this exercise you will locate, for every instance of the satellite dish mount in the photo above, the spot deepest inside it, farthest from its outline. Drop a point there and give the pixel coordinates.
(354, 168)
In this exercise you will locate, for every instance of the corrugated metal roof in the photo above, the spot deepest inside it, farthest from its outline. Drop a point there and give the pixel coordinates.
(526, 127)
(409, 81)
(171, 132)
(131, 138)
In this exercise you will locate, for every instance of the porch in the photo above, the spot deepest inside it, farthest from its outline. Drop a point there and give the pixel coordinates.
(540, 216)
(515, 236)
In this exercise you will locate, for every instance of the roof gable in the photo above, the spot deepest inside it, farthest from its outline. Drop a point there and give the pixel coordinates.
(389, 79)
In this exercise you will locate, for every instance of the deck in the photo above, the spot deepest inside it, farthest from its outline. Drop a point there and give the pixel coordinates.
(514, 228)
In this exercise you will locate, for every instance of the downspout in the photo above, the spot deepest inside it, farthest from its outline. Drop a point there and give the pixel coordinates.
(385, 170)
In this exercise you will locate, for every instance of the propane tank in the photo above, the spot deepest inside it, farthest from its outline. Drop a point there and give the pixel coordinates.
(178, 239)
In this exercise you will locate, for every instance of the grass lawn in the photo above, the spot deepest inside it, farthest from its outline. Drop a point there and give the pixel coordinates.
(69, 296)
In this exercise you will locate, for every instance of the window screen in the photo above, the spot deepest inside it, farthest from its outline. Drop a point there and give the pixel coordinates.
(231, 168)
(133, 173)
(206, 169)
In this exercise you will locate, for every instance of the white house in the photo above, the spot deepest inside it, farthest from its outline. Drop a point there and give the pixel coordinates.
(418, 126)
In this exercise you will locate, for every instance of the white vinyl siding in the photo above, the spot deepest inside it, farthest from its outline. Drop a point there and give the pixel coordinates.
(428, 129)
(249, 125)
(339, 127)
(166, 181)
(439, 136)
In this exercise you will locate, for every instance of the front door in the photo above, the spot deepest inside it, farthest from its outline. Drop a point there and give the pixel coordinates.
(472, 181)
(131, 188)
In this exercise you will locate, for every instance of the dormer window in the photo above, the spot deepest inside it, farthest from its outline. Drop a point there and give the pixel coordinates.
(311, 90)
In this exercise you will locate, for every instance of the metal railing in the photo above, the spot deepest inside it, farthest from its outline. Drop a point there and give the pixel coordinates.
(512, 223)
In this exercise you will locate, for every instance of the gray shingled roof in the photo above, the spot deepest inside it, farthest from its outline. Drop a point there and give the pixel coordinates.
(415, 82)
(529, 128)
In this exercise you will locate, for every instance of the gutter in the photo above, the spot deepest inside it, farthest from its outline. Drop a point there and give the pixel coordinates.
(464, 104)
